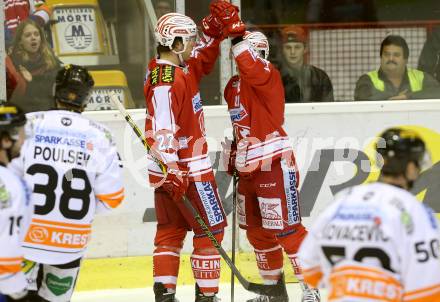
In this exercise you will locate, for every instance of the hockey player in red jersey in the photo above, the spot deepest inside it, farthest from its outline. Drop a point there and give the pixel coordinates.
(376, 242)
(15, 206)
(175, 130)
(268, 204)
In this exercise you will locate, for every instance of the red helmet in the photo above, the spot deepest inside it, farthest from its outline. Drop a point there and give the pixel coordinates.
(173, 25)
(258, 42)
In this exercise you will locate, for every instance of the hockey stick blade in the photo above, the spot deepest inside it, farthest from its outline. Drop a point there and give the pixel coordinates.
(274, 290)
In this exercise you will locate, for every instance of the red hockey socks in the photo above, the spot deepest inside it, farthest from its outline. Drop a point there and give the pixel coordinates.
(205, 263)
(270, 263)
(166, 266)
(291, 243)
(268, 253)
(296, 267)
(206, 270)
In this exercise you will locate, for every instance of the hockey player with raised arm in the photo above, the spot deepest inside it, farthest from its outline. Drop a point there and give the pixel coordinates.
(376, 242)
(268, 204)
(73, 168)
(15, 206)
(175, 129)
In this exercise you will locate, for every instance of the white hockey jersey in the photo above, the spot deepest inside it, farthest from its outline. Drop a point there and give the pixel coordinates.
(73, 168)
(15, 211)
(376, 242)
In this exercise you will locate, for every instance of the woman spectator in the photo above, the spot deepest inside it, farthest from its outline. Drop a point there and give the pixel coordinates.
(36, 66)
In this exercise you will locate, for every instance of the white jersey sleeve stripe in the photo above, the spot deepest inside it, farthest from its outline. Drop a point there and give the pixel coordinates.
(164, 116)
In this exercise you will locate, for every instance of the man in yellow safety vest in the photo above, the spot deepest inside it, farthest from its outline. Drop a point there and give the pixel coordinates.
(394, 80)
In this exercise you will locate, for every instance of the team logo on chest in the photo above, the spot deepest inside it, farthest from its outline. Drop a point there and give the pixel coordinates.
(66, 121)
(197, 103)
(237, 114)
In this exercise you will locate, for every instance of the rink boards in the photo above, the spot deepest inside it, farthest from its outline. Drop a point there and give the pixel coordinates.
(333, 144)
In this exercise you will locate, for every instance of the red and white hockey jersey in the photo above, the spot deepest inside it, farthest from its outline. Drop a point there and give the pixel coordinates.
(175, 125)
(73, 168)
(15, 211)
(255, 101)
(376, 242)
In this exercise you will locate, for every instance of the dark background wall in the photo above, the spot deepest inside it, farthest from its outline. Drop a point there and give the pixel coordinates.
(128, 16)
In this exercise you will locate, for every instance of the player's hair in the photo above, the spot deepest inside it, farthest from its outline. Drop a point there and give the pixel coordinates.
(165, 49)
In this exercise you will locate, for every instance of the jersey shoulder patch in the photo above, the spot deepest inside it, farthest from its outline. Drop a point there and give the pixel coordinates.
(5, 197)
(102, 130)
(162, 74)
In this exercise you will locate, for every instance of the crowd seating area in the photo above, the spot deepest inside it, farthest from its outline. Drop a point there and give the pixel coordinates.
(78, 32)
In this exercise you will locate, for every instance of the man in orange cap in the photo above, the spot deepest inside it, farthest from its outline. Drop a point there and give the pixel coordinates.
(302, 82)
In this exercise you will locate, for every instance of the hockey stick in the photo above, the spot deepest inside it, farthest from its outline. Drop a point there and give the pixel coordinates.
(234, 222)
(273, 290)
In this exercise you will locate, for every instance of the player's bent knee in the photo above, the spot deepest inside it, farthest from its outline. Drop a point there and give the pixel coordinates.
(291, 240)
(260, 238)
(203, 242)
(170, 237)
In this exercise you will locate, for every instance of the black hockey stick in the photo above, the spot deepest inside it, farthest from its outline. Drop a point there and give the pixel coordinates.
(234, 222)
(273, 290)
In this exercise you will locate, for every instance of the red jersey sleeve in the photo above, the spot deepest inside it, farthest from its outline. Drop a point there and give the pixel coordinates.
(230, 90)
(204, 55)
(257, 72)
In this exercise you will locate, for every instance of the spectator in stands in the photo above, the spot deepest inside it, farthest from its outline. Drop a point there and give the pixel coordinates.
(36, 67)
(163, 7)
(303, 83)
(394, 80)
(17, 11)
(429, 60)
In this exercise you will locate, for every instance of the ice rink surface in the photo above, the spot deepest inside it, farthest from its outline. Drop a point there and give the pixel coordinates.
(185, 293)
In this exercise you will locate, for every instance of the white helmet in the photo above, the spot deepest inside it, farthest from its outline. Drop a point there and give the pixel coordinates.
(173, 25)
(258, 42)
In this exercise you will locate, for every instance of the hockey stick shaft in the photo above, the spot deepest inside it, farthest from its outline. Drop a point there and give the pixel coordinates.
(262, 289)
(234, 223)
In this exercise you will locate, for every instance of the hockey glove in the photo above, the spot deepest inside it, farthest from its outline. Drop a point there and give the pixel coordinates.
(212, 27)
(225, 12)
(176, 182)
(229, 154)
(236, 29)
(244, 169)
